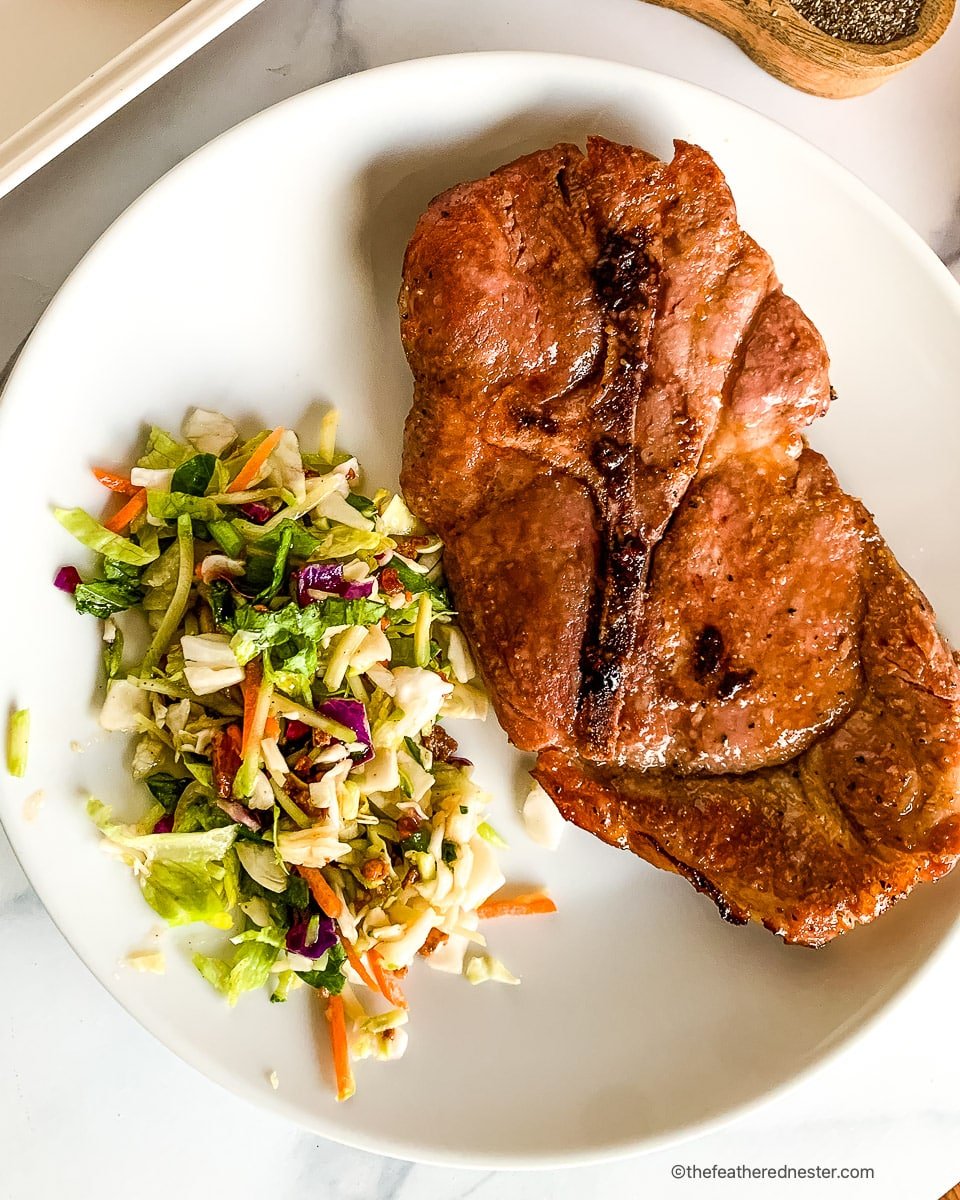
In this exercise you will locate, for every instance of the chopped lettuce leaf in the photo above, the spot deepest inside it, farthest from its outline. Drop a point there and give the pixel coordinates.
(163, 451)
(279, 567)
(416, 583)
(184, 877)
(166, 789)
(113, 654)
(328, 973)
(214, 970)
(95, 537)
(303, 543)
(193, 476)
(101, 598)
(178, 603)
(343, 542)
(164, 506)
(249, 969)
(160, 582)
(185, 892)
(255, 631)
(191, 848)
(484, 968)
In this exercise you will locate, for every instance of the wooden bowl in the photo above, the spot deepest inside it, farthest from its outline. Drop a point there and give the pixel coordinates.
(774, 34)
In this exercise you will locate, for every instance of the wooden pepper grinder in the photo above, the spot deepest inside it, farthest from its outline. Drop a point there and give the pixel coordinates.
(832, 48)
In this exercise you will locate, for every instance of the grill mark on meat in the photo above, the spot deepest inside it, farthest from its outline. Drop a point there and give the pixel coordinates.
(611, 633)
(626, 277)
(625, 274)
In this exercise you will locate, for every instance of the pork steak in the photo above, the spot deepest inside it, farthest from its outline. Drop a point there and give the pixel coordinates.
(717, 659)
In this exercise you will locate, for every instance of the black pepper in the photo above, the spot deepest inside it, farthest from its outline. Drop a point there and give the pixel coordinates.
(869, 22)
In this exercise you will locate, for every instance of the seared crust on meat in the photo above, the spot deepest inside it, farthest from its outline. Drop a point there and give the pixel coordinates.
(671, 598)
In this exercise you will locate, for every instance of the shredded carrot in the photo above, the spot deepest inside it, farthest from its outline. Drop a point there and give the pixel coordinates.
(251, 692)
(386, 980)
(130, 511)
(517, 906)
(115, 482)
(272, 728)
(341, 1055)
(250, 469)
(355, 961)
(323, 893)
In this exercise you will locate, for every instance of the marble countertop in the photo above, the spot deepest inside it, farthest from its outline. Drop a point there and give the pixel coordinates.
(87, 1098)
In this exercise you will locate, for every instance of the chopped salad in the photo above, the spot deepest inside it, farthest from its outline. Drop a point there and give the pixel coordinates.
(301, 651)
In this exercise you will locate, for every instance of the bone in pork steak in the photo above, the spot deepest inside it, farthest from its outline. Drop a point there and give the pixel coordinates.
(717, 659)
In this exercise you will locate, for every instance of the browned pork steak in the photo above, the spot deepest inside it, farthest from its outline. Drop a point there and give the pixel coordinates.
(718, 660)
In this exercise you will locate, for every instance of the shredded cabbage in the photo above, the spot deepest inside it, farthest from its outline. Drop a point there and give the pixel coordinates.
(285, 713)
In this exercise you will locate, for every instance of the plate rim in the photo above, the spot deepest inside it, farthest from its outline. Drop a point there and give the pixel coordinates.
(166, 1033)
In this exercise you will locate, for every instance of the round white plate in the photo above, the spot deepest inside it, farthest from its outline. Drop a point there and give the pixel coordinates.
(260, 277)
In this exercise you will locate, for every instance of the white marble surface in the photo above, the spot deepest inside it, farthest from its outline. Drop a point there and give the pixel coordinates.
(90, 1102)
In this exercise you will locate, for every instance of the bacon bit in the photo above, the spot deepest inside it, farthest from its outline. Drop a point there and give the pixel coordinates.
(407, 825)
(435, 939)
(320, 738)
(408, 596)
(440, 744)
(225, 758)
(374, 869)
(384, 622)
(410, 545)
(390, 581)
(298, 791)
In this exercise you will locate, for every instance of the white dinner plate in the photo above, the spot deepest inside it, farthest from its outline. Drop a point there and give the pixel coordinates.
(260, 277)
